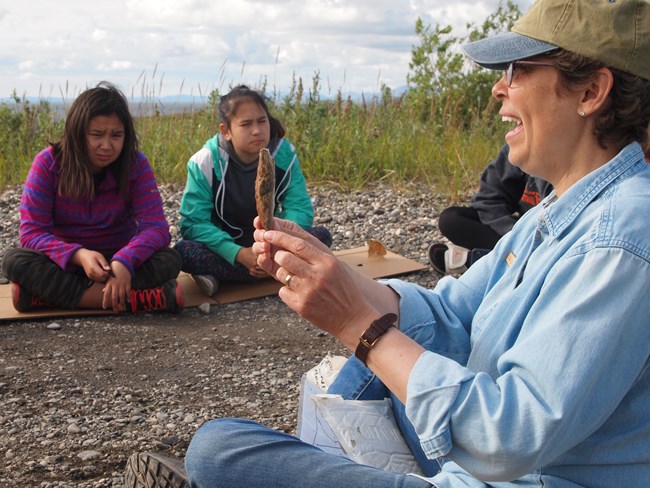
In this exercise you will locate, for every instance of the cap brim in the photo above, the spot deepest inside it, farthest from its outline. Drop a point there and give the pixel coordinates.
(499, 51)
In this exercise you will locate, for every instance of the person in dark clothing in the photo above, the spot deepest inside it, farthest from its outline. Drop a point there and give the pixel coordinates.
(504, 195)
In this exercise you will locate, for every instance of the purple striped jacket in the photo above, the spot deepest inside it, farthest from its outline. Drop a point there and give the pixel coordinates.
(59, 226)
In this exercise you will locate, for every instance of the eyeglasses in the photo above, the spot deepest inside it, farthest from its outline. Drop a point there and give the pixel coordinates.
(510, 72)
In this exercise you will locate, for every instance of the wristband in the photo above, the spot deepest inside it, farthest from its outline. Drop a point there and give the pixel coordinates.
(372, 334)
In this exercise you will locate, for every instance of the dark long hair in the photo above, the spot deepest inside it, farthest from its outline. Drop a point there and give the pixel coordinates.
(229, 103)
(76, 176)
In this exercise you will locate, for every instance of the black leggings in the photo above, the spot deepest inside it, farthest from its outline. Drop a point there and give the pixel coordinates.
(198, 259)
(462, 226)
(45, 279)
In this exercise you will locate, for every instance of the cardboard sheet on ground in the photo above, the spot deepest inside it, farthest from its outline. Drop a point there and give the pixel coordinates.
(385, 266)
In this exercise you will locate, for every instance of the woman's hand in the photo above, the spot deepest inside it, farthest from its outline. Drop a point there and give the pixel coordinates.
(318, 286)
(118, 288)
(336, 298)
(263, 250)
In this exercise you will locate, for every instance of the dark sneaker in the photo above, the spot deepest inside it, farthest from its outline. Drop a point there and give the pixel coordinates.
(437, 257)
(165, 298)
(208, 284)
(24, 301)
(149, 470)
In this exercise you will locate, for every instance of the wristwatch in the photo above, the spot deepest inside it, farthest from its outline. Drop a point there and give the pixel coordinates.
(372, 334)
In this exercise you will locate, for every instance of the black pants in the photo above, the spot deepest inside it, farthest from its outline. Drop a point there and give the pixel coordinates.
(45, 279)
(462, 226)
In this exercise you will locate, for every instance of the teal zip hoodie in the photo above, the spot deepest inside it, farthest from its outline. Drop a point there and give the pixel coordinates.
(222, 220)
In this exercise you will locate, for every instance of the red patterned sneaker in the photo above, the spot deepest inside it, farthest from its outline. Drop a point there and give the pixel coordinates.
(165, 298)
(24, 301)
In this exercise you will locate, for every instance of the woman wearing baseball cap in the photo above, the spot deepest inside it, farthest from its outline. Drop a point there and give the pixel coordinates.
(533, 368)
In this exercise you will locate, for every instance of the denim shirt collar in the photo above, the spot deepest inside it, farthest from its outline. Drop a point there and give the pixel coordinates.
(558, 213)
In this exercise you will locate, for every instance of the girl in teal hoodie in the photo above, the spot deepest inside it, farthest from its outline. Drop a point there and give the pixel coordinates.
(218, 205)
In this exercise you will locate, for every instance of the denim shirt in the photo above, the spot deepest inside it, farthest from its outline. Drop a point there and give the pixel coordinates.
(537, 361)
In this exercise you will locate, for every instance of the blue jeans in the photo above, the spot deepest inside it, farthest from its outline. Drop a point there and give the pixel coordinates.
(357, 382)
(236, 453)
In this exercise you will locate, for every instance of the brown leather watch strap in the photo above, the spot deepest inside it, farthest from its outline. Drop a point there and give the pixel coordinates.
(372, 334)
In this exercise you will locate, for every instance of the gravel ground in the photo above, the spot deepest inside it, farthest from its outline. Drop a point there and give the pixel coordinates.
(80, 394)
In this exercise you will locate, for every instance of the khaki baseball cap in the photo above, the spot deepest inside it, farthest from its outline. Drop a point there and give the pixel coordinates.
(614, 32)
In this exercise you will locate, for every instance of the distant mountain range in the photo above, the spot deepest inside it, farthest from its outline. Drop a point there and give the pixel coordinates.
(169, 104)
(189, 99)
(169, 99)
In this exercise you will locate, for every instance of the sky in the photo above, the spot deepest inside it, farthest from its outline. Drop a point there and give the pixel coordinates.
(157, 48)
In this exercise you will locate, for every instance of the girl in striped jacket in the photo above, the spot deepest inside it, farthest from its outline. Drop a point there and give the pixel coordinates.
(92, 229)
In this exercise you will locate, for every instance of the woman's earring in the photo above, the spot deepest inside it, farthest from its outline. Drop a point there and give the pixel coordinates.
(581, 113)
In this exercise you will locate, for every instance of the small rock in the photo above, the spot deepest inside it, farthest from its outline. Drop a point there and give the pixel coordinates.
(88, 455)
(170, 441)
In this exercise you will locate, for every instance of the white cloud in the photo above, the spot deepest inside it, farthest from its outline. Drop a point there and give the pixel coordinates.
(26, 65)
(114, 66)
(199, 45)
(99, 35)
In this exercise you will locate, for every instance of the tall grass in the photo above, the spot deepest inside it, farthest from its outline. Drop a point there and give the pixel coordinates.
(24, 129)
(170, 140)
(393, 140)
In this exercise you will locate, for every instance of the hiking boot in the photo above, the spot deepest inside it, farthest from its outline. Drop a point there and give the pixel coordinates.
(149, 470)
(24, 301)
(208, 284)
(165, 298)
